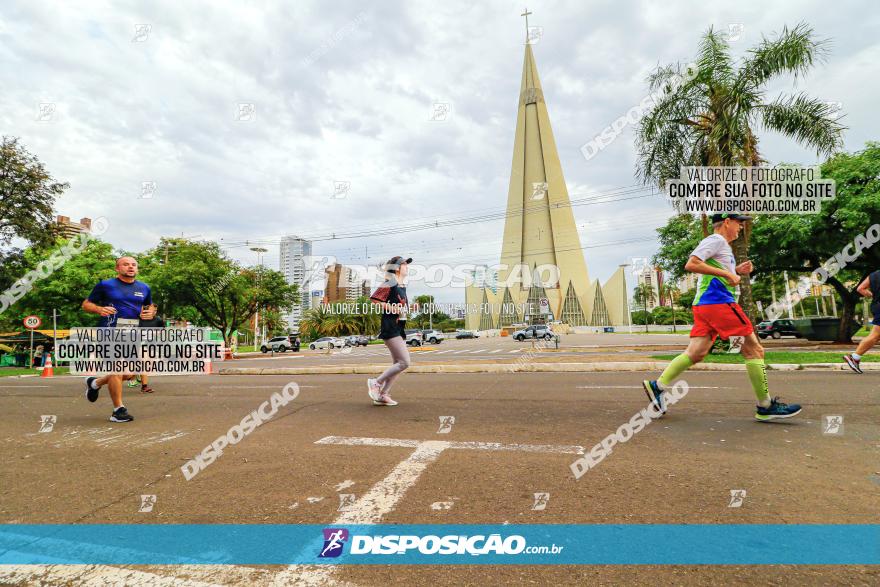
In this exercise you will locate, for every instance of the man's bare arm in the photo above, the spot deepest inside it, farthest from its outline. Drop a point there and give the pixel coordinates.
(865, 288)
(697, 265)
(93, 308)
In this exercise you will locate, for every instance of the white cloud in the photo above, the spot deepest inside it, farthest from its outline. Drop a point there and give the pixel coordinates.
(164, 110)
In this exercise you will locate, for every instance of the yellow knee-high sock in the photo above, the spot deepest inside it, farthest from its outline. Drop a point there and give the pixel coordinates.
(676, 367)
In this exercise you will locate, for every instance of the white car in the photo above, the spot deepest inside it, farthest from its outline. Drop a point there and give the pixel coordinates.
(327, 342)
(279, 344)
(414, 338)
(433, 336)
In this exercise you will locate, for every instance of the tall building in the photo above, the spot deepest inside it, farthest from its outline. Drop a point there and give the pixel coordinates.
(70, 229)
(295, 257)
(539, 230)
(688, 282)
(652, 276)
(343, 284)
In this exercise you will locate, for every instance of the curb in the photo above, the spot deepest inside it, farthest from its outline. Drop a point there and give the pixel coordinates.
(619, 367)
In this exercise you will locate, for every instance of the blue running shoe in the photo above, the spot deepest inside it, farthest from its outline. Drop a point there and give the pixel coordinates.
(655, 394)
(777, 410)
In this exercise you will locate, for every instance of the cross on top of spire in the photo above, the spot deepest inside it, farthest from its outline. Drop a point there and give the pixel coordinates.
(526, 14)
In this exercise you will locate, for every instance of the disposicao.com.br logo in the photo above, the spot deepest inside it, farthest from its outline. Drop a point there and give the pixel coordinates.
(430, 544)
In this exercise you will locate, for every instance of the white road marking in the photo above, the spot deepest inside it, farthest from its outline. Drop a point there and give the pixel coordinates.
(22, 386)
(514, 351)
(254, 386)
(496, 351)
(369, 509)
(384, 495)
(636, 387)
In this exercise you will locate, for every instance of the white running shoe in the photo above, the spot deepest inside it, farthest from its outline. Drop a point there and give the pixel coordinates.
(373, 390)
(384, 400)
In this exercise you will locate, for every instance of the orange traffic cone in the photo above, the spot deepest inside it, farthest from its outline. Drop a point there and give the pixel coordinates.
(47, 368)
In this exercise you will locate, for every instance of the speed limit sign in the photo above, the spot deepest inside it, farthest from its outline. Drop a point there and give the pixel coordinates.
(32, 322)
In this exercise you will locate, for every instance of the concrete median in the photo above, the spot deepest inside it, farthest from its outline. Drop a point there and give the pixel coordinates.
(628, 366)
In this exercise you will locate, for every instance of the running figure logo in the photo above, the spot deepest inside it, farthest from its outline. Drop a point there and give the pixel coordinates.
(832, 425)
(541, 500)
(446, 423)
(47, 423)
(346, 501)
(334, 540)
(147, 503)
(737, 496)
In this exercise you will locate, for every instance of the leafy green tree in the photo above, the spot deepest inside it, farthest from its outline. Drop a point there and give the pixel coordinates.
(643, 293)
(27, 195)
(200, 277)
(710, 117)
(686, 299)
(803, 243)
(670, 292)
(66, 288)
(27, 200)
(678, 238)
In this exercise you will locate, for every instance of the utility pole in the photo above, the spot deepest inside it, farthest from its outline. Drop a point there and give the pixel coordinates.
(54, 329)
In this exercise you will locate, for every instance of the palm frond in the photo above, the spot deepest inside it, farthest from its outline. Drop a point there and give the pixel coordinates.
(807, 120)
(713, 60)
(793, 51)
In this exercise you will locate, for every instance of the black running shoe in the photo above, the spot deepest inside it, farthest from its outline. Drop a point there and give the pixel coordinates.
(120, 414)
(91, 393)
(853, 363)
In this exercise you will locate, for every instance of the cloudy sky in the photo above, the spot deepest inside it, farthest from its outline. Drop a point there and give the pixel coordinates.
(244, 115)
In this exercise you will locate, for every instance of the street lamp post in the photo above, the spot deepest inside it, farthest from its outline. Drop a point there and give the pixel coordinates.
(259, 251)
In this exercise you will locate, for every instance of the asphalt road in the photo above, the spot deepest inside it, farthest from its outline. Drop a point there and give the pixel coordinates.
(502, 349)
(680, 469)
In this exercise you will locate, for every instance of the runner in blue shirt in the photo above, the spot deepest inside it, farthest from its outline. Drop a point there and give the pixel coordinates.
(121, 301)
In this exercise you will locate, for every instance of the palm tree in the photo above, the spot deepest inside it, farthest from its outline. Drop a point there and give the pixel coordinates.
(315, 322)
(367, 321)
(670, 291)
(341, 324)
(642, 294)
(710, 118)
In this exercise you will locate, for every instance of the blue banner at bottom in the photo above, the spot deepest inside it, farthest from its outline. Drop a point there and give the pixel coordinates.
(536, 544)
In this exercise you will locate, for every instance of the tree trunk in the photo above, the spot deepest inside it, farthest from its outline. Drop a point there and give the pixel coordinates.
(849, 312)
(741, 253)
(850, 300)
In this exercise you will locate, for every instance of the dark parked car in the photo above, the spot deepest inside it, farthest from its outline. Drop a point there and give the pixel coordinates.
(778, 329)
(466, 334)
(356, 340)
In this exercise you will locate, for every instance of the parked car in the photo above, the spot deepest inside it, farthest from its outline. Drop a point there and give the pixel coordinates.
(278, 344)
(327, 342)
(356, 340)
(413, 338)
(466, 334)
(534, 331)
(777, 329)
(433, 336)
